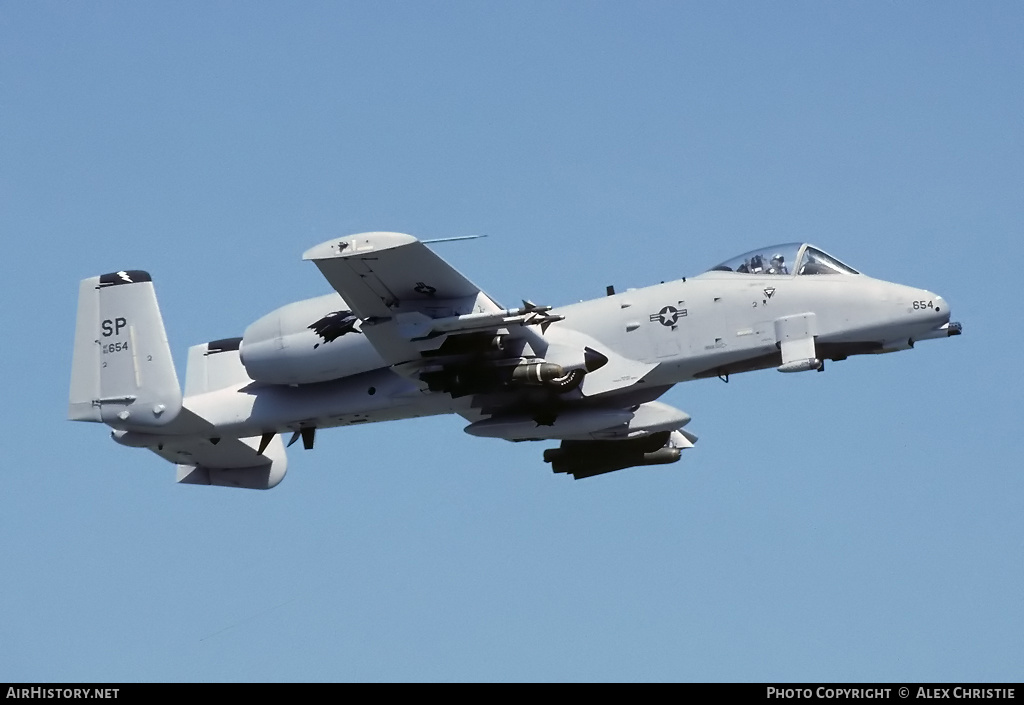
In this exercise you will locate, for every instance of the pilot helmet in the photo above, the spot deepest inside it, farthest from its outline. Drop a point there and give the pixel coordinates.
(778, 258)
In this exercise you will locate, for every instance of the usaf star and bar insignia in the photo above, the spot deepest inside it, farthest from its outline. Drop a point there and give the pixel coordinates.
(668, 315)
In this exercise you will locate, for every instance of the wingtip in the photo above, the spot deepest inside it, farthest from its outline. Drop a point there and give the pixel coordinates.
(357, 244)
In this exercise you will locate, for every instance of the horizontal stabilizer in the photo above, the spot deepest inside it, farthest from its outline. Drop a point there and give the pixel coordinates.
(205, 459)
(224, 470)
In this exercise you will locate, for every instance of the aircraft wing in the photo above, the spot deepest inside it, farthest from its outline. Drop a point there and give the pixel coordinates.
(409, 299)
(380, 273)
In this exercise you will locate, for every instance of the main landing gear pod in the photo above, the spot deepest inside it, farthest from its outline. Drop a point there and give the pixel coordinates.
(795, 338)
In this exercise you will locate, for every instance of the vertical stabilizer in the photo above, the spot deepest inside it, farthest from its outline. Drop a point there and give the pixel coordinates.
(122, 373)
(213, 366)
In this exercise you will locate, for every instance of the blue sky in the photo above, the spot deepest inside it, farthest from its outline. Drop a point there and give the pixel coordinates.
(859, 525)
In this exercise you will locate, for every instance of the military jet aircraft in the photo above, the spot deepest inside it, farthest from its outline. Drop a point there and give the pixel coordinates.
(405, 335)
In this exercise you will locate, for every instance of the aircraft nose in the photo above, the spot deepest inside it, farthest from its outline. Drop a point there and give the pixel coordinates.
(932, 310)
(944, 312)
(928, 306)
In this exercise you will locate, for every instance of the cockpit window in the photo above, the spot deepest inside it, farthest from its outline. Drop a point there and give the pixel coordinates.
(778, 259)
(815, 261)
(784, 260)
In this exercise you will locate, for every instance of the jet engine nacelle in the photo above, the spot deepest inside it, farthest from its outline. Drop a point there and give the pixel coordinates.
(309, 341)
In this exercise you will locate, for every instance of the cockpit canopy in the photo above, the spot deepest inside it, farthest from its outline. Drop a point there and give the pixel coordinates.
(792, 258)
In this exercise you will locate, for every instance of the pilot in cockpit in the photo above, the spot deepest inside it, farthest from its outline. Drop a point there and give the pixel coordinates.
(778, 265)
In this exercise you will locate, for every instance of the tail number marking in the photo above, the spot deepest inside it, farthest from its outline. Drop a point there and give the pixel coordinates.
(113, 327)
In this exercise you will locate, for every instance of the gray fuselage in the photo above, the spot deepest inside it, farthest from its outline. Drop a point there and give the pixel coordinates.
(717, 323)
